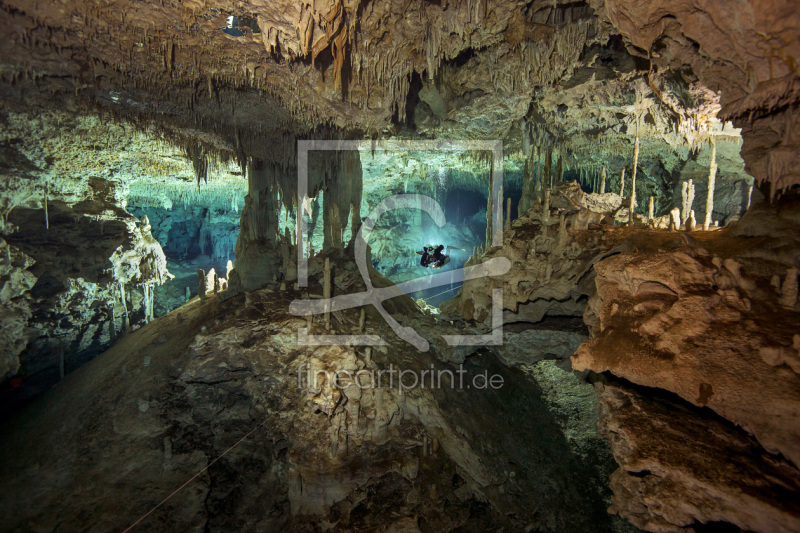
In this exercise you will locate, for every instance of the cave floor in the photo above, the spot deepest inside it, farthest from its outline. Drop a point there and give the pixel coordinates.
(124, 431)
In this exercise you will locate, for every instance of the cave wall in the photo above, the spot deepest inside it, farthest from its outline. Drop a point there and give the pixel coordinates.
(75, 260)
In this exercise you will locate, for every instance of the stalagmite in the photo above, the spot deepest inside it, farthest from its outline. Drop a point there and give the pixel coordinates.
(326, 291)
(362, 321)
(546, 206)
(502, 205)
(126, 320)
(651, 207)
(789, 289)
(46, 215)
(674, 219)
(228, 270)
(147, 292)
(201, 283)
(712, 178)
(632, 205)
(691, 222)
(687, 197)
(603, 182)
(622, 183)
(508, 214)
(188, 293)
(490, 207)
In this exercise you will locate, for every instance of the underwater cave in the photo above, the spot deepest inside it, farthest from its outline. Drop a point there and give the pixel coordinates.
(418, 267)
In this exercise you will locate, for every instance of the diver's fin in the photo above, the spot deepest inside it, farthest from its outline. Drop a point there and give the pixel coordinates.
(418, 253)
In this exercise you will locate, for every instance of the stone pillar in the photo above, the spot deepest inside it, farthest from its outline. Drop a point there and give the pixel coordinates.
(687, 196)
(201, 283)
(546, 172)
(603, 181)
(633, 180)
(326, 291)
(712, 179)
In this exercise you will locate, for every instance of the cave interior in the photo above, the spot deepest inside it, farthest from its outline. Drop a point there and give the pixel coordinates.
(401, 266)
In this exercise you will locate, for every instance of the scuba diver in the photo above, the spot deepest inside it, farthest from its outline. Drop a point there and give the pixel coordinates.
(433, 256)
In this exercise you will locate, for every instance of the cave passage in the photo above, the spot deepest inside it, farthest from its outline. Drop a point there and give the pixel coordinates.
(193, 237)
(458, 184)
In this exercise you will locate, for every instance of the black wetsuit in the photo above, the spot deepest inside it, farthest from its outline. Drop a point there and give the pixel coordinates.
(433, 256)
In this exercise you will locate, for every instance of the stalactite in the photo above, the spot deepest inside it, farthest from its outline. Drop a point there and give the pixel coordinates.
(560, 169)
(546, 171)
(712, 177)
(526, 199)
(622, 183)
(651, 207)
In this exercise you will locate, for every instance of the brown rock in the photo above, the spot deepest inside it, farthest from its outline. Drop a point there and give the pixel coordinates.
(715, 335)
(672, 474)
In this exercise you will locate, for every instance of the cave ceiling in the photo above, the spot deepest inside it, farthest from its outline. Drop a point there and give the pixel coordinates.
(581, 77)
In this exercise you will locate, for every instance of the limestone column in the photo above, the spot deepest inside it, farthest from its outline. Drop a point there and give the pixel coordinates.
(560, 169)
(526, 200)
(603, 182)
(633, 178)
(712, 178)
(326, 291)
(548, 163)
(201, 283)
(687, 195)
